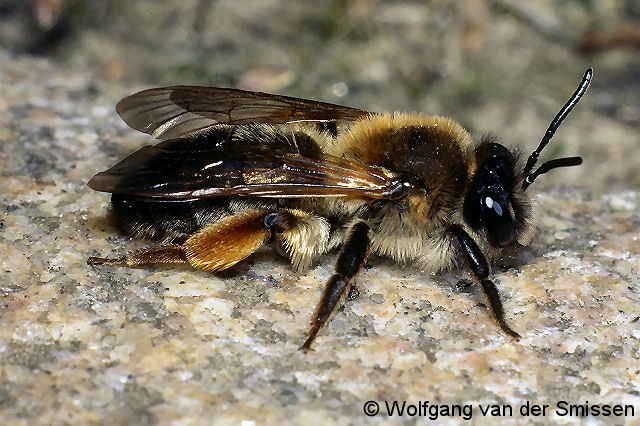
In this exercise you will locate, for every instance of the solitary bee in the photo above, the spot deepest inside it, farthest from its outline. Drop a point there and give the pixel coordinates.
(236, 169)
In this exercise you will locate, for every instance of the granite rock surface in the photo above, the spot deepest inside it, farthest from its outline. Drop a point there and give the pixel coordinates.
(85, 345)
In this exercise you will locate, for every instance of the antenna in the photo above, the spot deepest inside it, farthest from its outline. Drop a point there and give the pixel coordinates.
(551, 130)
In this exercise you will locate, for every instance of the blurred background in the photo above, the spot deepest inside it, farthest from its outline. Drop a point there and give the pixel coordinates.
(497, 66)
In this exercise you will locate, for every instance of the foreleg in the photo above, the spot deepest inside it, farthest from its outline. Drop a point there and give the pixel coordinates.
(480, 269)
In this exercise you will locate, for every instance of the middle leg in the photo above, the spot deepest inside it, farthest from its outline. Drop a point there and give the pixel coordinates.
(351, 258)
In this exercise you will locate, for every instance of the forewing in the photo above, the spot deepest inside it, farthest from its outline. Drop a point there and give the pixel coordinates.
(158, 173)
(176, 111)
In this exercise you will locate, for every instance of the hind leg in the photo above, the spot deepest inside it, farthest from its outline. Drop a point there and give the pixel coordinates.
(167, 254)
(224, 243)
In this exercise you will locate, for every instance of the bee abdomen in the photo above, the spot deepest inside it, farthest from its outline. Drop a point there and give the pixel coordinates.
(169, 221)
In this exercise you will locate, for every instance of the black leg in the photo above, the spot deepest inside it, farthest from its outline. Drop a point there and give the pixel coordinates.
(480, 269)
(351, 258)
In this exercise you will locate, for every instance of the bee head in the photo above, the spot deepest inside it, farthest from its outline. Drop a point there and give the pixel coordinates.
(491, 204)
(496, 201)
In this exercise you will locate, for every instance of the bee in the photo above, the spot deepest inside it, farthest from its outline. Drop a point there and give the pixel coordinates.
(236, 169)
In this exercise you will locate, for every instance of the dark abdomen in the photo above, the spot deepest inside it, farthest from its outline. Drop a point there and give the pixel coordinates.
(239, 147)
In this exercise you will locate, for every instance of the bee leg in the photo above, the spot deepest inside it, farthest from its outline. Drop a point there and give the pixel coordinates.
(216, 246)
(158, 255)
(480, 269)
(303, 237)
(351, 258)
(226, 242)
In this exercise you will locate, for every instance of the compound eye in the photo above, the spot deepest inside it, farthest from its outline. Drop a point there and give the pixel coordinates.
(497, 218)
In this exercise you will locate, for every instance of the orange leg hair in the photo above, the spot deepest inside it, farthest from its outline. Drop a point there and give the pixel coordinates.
(216, 246)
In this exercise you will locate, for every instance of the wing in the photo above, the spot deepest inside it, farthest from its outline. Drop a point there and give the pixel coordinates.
(174, 170)
(176, 111)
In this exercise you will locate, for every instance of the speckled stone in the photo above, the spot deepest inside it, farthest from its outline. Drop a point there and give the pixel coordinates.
(112, 345)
